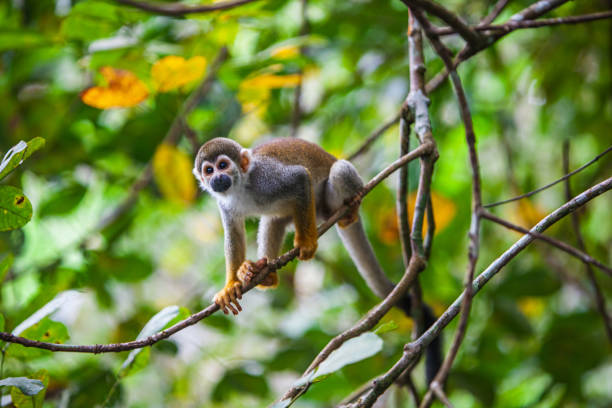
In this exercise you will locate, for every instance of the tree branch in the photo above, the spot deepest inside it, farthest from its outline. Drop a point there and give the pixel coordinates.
(537, 190)
(600, 301)
(584, 257)
(178, 9)
(495, 11)
(412, 350)
(468, 33)
(520, 24)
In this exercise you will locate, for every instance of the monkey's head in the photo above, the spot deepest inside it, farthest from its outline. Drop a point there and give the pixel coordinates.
(220, 165)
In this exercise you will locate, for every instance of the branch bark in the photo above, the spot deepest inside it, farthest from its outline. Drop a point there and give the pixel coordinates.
(178, 10)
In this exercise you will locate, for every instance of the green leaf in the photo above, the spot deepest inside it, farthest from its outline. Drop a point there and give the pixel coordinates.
(1, 322)
(18, 153)
(154, 325)
(15, 208)
(24, 400)
(62, 201)
(126, 268)
(47, 309)
(26, 385)
(352, 351)
(386, 327)
(20, 39)
(241, 382)
(5, 265)
(45, 330)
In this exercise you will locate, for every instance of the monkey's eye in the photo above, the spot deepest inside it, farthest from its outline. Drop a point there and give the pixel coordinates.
(222, 165)
(209, 169)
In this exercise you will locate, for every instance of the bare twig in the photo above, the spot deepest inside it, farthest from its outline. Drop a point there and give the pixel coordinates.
(296, 116)
(495, 11)
(177, 9)
(437, 389)
(583, 256)
(600, 301)
(520, 24)
(193, 319)
(537, 190)
(373, 137)
(474, 231)
(468, 33)
(412, 350)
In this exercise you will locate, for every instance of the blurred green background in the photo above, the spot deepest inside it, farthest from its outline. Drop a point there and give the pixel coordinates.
(534, 339)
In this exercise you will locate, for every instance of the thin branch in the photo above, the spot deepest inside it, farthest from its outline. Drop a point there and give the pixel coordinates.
(521, 24)
(437, 389)
(474, 231)
(373, 137)
(412, 350)
(468, 33)
(178, 10)
(495, 11)
(296, 116)
(583, 256)
(600, 301)
(537, 190)
(263, 272)
(402, 194)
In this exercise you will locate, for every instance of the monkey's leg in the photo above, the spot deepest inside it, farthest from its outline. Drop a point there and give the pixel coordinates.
(270, 237)
(343, 183)
(304, 217)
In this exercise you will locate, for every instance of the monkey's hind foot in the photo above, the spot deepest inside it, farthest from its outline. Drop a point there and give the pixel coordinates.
(351, 217)
(227, 299)
(249, 269)
(269, 282)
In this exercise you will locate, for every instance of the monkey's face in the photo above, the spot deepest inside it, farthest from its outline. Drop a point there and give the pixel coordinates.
(219, 176)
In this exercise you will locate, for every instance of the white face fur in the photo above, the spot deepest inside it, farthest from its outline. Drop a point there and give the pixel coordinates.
(222, 165)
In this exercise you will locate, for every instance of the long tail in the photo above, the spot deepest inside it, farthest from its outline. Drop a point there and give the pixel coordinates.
(358, 245)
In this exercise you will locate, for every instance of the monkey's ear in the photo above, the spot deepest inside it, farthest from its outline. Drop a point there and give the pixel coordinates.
(245, 160)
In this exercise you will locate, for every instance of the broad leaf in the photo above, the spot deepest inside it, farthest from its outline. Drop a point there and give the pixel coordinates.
(26, 385)
(154, 325)
(44, 311)
(15, 208)
(46, 330)
(352, 351)
(18, 153)
(25, 400)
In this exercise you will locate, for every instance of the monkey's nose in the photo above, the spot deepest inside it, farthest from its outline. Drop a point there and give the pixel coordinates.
(221, 183)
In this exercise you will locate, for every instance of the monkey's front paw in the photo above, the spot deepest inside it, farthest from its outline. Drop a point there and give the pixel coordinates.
(307, 249)
(227, 299)
(249, 269)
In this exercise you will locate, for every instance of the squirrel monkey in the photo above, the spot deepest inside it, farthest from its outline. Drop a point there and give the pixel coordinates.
(283, 181)
(287, 180)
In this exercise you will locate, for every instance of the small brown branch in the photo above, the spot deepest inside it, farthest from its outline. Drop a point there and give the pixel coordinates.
(431, 229)
(521, 24)
(600, 301)
(373, 137)
(474, 231)
(468, 33)
(583, 256)
(412, 350)
(402, 194)
(495, 11)
(439, 392)
(537, 190)
(296, 116)
(178, 10)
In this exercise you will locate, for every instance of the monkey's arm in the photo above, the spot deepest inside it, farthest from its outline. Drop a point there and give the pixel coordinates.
(235, 253)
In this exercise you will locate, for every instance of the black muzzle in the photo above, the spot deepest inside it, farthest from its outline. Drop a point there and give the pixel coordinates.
(221, 183)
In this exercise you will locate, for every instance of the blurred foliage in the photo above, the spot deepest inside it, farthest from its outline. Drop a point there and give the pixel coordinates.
(534, 338)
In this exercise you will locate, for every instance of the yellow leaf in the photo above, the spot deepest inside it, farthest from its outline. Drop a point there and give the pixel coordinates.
(271, 81)
(444, 212)
(254, 92)
(123, 89)
(173, 71)
(172, 172)
(531, 306)
(286, 52)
